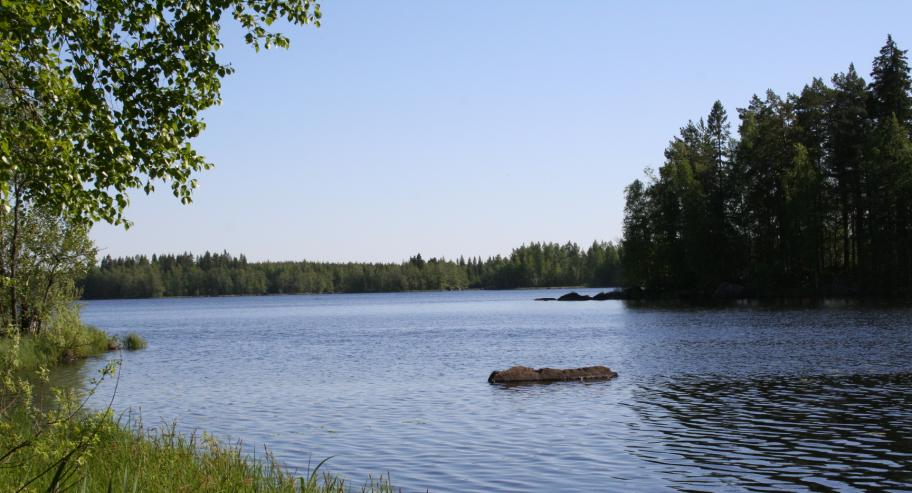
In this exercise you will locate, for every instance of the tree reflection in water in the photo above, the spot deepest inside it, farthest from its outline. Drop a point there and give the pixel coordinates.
(781, 433)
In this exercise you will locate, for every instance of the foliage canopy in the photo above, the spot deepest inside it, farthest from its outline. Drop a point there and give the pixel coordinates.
(101, 97)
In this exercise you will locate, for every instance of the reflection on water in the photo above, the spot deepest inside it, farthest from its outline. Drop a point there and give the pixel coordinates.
(774, 434)
(80, 379)
(735, 398)
(67, 376)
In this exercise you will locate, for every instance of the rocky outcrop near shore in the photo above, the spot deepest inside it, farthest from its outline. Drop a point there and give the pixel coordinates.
(574, 296)
(621, 294)
(524, 374)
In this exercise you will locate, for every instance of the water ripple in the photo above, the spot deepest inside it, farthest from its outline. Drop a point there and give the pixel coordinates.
(846, 433)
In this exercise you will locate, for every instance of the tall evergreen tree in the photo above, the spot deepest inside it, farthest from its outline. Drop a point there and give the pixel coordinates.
(891, 85)
(848, 120)
(722, 194)
(810, 130)
(765, 149)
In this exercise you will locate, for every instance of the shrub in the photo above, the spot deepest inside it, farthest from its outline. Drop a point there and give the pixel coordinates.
(64, 339)
(133, 341)
(67, 339)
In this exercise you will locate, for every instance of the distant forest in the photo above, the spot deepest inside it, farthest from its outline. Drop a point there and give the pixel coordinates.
(813, 196)
(533, 265)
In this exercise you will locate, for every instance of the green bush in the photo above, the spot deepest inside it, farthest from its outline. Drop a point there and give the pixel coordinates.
(61, 343)
(133, 341)
(67, 339)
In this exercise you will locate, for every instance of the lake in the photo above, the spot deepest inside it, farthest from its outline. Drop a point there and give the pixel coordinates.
(737, 398)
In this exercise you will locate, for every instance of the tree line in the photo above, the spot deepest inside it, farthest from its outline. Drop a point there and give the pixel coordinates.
(217, 274)
(814, 195)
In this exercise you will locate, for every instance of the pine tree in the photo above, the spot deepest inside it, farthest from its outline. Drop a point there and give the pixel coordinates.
(848, 120)
(721, 193)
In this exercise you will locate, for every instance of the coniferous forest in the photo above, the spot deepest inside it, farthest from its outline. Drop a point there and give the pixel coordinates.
(813, 195)
(533, 265)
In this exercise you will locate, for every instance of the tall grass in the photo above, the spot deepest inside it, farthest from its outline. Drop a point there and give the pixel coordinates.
(133, 341)
(65, 344)
(125, 458)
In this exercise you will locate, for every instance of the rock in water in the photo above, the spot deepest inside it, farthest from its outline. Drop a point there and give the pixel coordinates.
(574, 296)
(523, 374)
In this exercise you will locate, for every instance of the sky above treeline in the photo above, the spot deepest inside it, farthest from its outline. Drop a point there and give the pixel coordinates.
(453, 128)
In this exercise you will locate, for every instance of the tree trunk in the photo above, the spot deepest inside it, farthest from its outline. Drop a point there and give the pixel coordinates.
(845, 234)
(13, 255)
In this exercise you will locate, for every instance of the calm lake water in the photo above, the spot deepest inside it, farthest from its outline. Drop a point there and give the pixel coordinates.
(727, 399)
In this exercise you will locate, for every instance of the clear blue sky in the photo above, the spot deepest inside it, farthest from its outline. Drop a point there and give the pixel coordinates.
(451, 128)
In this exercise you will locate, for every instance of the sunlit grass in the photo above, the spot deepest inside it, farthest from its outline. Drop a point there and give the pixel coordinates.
(49, 349)
(128, 458)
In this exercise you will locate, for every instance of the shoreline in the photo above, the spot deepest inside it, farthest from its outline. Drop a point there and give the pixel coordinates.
(92, 450)
(611, 293)
(353, 292)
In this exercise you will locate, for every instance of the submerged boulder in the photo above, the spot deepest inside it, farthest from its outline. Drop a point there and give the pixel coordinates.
(524, 374)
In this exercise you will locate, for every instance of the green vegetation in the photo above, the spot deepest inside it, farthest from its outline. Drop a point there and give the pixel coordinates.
(43, 257)
(126, 459)
(98, 100)
(815, 197)
(133, 342)
(533, 265)
(65, 343)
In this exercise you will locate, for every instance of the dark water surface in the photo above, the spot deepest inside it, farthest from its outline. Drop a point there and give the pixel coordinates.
(724, 399)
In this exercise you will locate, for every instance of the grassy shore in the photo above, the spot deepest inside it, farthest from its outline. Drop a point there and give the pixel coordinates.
(127, 459)
(51, 349)
(68, 448)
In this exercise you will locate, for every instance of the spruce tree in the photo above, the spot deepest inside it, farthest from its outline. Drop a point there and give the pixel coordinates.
(890, 85)
(719, 131)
